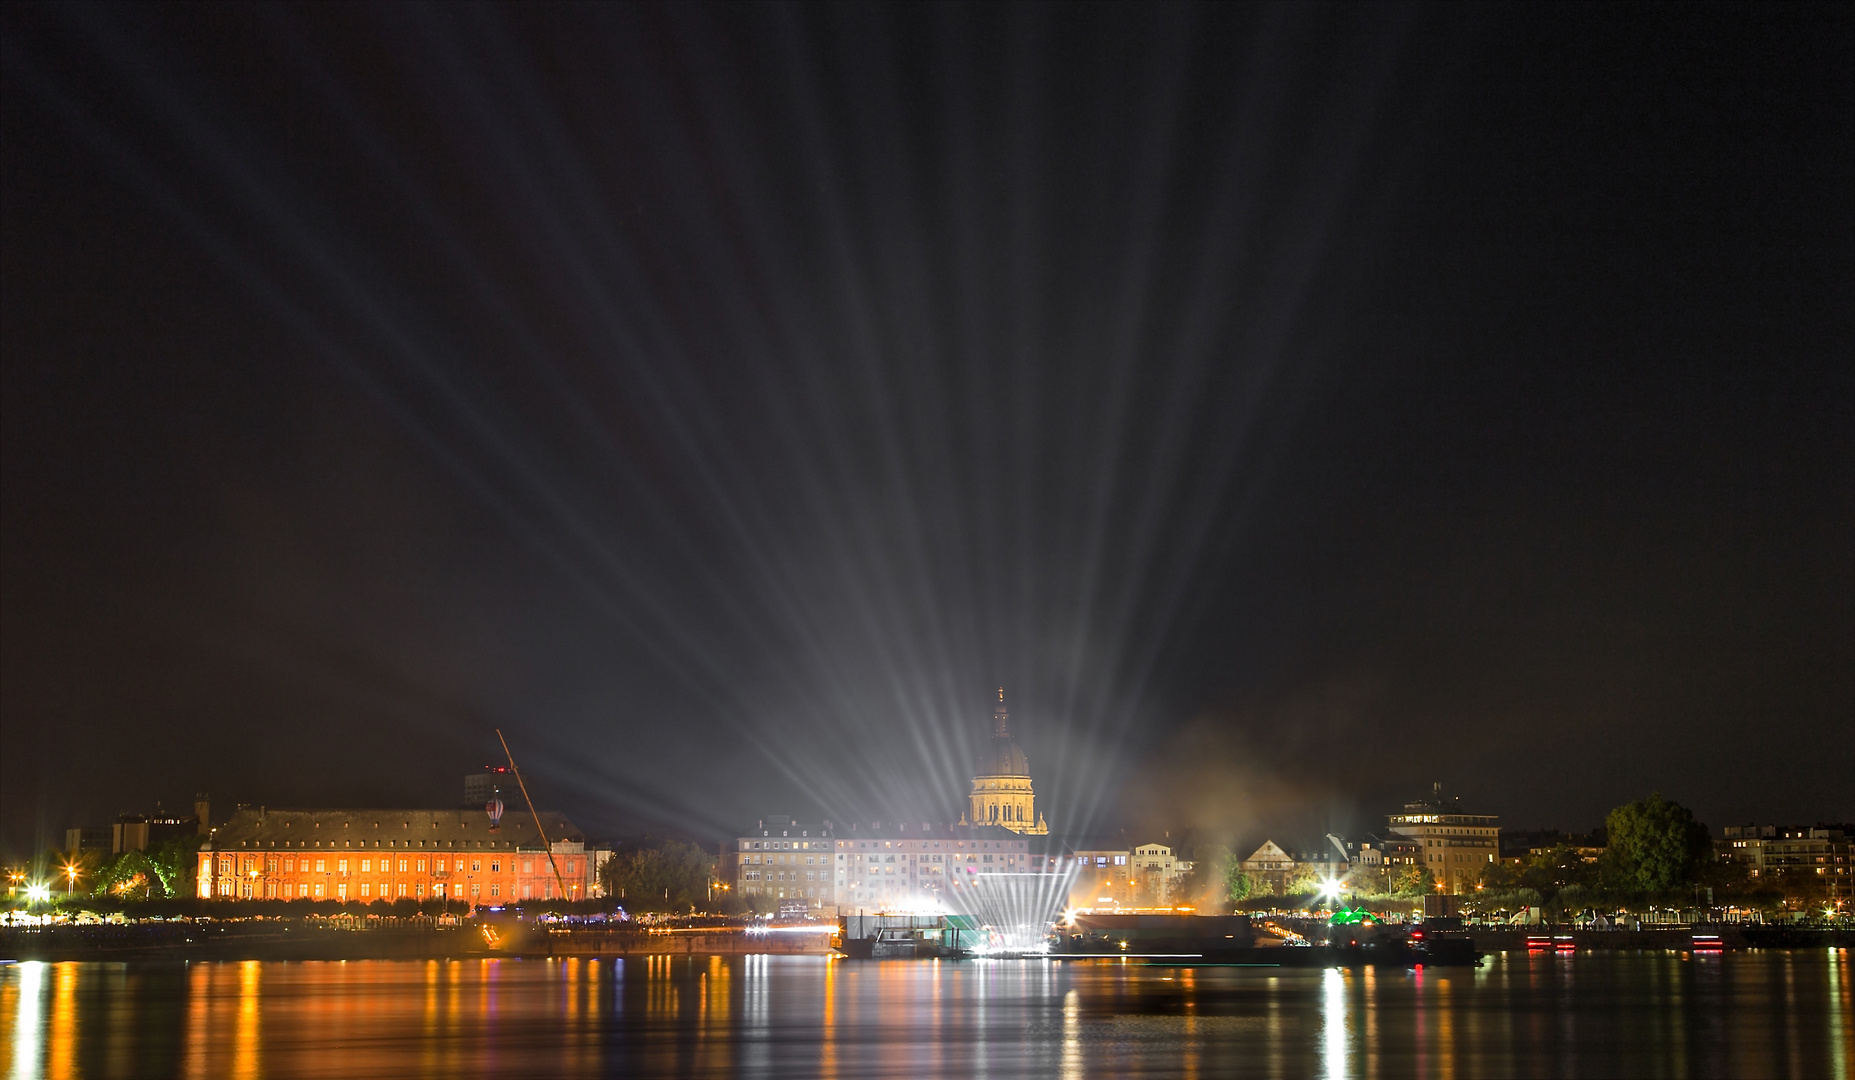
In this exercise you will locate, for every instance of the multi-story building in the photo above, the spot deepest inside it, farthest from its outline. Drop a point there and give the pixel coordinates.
(1105, 874)
(1388, 852)
(1456, 846)
(139, 832)
(1269, 868)
(781, 860)
(82, 839)
(1821, 857)
(368, 855)
(1157, 870)
(884, 866)
(920, 865)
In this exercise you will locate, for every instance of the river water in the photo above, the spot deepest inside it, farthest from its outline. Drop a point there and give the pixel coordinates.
(1746, 1014)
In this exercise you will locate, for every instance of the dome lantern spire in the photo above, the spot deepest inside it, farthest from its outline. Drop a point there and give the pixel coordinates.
(999, 730)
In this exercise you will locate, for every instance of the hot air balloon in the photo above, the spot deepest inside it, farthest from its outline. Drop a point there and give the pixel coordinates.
(494, 809)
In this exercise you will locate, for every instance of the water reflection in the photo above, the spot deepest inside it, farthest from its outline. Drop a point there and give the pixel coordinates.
(1333, 1018)
(19, 1001)
(1743, 1014)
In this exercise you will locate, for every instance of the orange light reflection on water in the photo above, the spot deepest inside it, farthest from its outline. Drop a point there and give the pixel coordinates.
(809, 1016)
(248, 1042)
(60, 1063)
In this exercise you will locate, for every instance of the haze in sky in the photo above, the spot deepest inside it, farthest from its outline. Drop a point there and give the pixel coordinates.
(1290, 406)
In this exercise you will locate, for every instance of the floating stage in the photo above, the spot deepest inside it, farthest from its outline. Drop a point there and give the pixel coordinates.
(1156, 938)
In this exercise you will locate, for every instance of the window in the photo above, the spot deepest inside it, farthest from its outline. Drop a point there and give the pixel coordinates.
(363, 888)
(366, 865)
(476, 866)
(421, 869)
(495, 867)
(321, 868)
(341, 866)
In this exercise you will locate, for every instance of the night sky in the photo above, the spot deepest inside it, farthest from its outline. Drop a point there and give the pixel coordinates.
(1290, 407)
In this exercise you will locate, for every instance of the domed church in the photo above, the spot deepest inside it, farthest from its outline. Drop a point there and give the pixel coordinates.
(1002, 793)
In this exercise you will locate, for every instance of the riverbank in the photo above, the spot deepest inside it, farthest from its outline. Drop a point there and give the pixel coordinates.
(309, 940)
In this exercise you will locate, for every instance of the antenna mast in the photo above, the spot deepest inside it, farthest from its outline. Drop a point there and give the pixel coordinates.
(549, 848)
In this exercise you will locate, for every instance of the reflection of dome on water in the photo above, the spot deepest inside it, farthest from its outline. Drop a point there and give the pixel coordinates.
(1002, 792)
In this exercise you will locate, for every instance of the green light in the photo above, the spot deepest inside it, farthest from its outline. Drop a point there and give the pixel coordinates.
(1346, 916)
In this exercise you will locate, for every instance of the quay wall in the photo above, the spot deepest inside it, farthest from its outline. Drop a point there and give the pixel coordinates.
(720, 942)
(271, 940)
(236, 941)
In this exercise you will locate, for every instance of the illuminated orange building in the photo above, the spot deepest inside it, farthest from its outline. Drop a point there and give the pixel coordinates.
(370, 855)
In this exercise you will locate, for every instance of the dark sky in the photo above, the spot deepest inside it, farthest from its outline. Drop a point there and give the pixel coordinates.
(1290, 406)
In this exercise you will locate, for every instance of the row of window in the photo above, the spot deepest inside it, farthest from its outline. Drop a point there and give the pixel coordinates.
(812, 860)
(290, 865)
(505, 844)
(315, 890)
(856, 845)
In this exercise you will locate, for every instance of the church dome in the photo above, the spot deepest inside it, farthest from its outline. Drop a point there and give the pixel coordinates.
(1002, 758)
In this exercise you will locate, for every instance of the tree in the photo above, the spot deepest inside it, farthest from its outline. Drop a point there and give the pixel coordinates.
(667, 876)
(1208, 884)
(1656, 845)
(130, 874)
(1237, 883)
(176, 860)
(1412, 881)
(1557, 868)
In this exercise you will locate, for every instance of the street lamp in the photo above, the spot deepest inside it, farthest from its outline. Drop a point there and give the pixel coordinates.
(70, 878)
